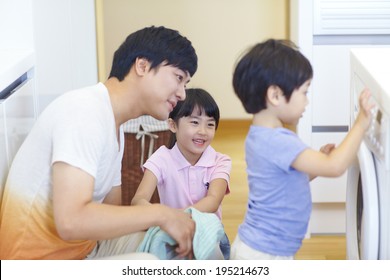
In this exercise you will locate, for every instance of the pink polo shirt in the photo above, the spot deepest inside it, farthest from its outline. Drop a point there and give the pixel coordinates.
(180, 184)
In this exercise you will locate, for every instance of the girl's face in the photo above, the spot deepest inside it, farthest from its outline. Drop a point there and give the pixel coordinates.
(194, 134)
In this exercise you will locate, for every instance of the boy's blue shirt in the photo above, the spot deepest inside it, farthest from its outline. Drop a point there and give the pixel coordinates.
(279, 201)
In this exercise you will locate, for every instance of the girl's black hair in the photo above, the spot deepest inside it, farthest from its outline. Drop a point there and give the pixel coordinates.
(195, 98)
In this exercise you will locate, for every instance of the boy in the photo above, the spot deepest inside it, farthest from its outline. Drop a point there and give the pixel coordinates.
(272, 81)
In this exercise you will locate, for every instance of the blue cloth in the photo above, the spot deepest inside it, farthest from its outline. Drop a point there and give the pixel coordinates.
(224, 245)
(279, 201)
(208, 234)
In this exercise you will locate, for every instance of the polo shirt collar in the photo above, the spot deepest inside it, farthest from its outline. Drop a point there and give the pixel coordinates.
(206, 160)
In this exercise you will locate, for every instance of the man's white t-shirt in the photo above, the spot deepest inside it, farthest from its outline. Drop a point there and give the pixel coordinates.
(77, 128)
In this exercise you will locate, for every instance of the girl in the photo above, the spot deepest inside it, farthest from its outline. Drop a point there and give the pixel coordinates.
(189, 172)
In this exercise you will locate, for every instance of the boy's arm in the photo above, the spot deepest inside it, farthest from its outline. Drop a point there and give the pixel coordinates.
(214, 197)
(145, 189)
(326, 149)
(337, 161)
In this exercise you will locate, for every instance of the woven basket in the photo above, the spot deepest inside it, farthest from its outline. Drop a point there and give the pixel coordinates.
(131, 163)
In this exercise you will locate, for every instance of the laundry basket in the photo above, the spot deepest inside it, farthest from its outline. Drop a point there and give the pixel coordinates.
(143, 136)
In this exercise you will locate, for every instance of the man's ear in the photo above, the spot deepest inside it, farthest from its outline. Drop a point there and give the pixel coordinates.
(141, 65)
(172, 125)
(274, 95)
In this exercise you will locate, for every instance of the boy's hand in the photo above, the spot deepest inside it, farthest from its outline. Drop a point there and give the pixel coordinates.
(364, 116)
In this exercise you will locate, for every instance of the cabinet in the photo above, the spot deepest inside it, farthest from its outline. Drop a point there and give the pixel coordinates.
(20, 116)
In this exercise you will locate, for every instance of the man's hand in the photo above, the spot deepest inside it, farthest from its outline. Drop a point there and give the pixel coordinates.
(181, 227)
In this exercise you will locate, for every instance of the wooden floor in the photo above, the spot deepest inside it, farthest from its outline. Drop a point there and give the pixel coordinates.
(230, 139)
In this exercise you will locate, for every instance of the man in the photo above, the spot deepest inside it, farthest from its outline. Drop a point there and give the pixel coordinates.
(63, 190)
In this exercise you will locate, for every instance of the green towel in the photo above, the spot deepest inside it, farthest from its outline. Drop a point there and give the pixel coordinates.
(208, 233)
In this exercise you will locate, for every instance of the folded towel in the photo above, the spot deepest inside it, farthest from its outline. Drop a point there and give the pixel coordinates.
(208, 233)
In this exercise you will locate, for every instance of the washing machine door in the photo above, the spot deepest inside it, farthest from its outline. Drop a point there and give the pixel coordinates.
(362, 208)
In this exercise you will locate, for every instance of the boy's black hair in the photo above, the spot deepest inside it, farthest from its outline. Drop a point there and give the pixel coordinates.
(195, 98)
(157, 45)
(270, 63)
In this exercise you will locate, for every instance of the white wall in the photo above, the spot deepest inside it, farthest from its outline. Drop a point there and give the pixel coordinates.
(64, 45)
(220, 31)
(16, 24)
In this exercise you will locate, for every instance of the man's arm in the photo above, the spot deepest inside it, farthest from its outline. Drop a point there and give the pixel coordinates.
(78, 217)
(114, 197)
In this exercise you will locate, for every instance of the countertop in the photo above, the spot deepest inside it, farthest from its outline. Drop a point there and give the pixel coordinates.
(13, 64)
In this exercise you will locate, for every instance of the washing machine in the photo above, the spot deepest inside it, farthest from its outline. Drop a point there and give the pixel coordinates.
(368, 187)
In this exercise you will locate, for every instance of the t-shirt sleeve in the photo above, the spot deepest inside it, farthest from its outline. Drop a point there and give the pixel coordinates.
(222, 169)
(287, 147)
(156, 163)
(78, 141)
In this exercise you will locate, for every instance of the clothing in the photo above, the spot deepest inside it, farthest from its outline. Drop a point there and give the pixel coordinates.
(224, 246)
(208, 234)
(77, 128)
(279, 201)
(241, 251)
(119, 248)
(179, 183)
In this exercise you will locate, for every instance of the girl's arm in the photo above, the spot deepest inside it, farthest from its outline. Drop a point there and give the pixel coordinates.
(337, 161)
(145, 189)
(214, 197)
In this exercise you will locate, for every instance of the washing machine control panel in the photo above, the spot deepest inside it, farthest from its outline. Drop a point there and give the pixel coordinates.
(377, 136)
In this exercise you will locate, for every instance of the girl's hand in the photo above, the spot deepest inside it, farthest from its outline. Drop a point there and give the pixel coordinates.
(327, 149)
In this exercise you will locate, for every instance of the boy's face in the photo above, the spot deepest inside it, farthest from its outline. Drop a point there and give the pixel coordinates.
(294, 109)
(164, 86)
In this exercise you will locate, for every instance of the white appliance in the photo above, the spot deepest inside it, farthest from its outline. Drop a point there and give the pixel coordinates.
(18, 104)
(47, 47)
(325, 31)
(368, 189)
